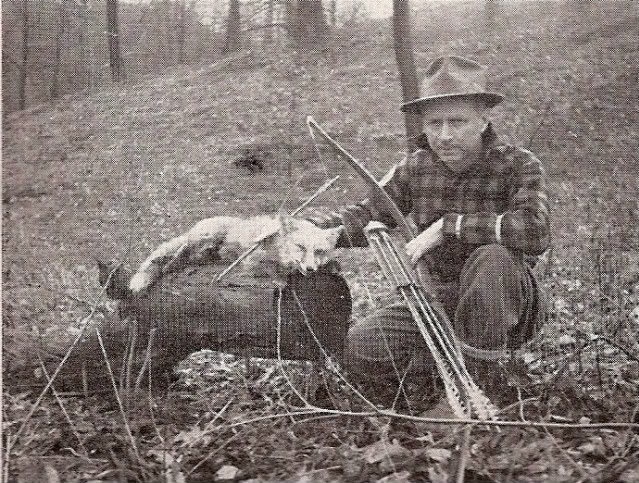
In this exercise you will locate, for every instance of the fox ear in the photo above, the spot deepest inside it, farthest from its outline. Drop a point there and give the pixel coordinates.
(103, 267)
(334, 234)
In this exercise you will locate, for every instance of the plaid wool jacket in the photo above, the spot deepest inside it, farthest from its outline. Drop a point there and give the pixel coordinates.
(502, 199)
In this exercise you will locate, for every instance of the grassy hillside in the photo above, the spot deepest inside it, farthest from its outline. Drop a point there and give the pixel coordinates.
(112, 174)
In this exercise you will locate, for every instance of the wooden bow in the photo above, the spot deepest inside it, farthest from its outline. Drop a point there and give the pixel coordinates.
(391, 207)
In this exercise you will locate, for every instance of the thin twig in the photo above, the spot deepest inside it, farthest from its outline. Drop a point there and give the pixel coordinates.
(442, 421)
(541, 123)
(84, 325)
(85, 380)
(584, 474)
(85, 302)
(218, 415)
(623, 349)
(151, 404)
(464, 455)
(147, 358)
(213, 453)
(400, 389)
(521, 405)
(280, 364)
(117, 397)
(64, 410)
(326, 355)
(133, 340)
(502, 411)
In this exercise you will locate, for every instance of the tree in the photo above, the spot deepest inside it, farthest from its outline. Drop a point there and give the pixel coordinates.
(332, 12)
(22, 82)
(492, 11)
(83, 39)
(113, 40)
(181, 35)
(233, 28)
(306, 23)
(59, 38)
(403, 44)
(268, 21)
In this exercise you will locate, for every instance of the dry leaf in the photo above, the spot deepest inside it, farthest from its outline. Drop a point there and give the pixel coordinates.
(227, 472)
(630, 475)
(52, 474)
(437, 474)
(401, 477)
(441, 455)
(376, 452)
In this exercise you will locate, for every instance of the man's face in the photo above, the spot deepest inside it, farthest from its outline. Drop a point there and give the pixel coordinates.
(454, 128)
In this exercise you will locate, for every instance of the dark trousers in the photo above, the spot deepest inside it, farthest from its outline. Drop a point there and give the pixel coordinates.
(494, 304)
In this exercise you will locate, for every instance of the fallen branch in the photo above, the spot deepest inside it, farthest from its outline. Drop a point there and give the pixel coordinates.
(443, 421)
(541, 123)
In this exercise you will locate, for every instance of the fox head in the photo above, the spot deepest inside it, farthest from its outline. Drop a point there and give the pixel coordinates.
(304, 246)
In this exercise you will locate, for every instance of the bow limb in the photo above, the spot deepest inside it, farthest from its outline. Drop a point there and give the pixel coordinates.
(422, 275)
(368, 178)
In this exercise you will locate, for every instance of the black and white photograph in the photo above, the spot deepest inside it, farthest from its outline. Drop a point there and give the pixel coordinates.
(320, 241)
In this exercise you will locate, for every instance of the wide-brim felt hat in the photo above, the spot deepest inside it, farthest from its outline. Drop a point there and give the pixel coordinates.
(454, 77)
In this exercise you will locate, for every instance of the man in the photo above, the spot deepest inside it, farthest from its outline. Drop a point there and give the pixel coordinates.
(481, 211)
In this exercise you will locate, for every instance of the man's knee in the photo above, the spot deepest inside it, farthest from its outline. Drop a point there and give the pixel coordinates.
(367, 341)
(492, 255)
(495, 293)
(385, 339)
(490, 264)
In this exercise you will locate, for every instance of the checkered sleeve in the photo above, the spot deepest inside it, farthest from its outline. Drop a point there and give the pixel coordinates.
(355, 217)
(524, 226)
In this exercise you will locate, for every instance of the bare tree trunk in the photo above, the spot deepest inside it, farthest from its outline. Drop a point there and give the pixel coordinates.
(492, 10)
(181, 36)
(22, 84)
(403, 45)
(233, 28)
(270, 16)
(167, 50)
(55, 81)
(83, 39)
(333, 13)
(113, 40)
(307, 23)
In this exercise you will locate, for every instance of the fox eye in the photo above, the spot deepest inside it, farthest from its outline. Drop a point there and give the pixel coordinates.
(300, 246)
(457, 122)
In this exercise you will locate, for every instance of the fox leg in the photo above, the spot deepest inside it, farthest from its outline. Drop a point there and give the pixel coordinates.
(175, 252)
(151, 268)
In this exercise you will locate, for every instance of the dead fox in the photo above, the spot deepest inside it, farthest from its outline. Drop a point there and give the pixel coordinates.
(292, 244)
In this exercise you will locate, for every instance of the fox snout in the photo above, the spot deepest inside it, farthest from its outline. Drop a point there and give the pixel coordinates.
(307, 267)
(304, 270)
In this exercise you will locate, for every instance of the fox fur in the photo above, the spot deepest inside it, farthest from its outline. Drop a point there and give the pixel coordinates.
(288, 243)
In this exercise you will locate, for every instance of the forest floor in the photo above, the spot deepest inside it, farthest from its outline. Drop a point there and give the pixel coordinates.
(113, 173)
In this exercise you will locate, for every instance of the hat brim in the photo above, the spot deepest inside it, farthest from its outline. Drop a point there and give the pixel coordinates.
(491, 99)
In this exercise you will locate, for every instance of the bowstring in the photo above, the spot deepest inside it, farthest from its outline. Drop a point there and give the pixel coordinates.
(361, 279)
(287, 195)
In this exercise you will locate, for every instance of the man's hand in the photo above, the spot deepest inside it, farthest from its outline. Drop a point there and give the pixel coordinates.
(425, 241)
